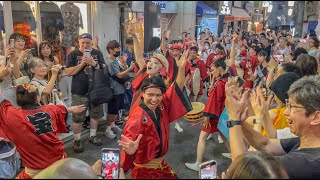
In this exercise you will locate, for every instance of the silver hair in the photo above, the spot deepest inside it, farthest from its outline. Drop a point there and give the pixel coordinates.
(306, 92)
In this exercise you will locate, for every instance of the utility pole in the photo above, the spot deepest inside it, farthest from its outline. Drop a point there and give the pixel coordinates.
(299, 19)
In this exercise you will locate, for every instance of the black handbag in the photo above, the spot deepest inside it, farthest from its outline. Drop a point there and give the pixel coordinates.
(100, 90)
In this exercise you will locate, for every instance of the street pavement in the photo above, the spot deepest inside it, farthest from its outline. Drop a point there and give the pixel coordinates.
(182, 149)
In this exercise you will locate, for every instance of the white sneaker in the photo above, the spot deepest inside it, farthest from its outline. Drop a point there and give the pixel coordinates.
(210, 136)
(109, 133)
(178, 128)
(227, 155)
(193, 166)
(115, 128)
(220, 140)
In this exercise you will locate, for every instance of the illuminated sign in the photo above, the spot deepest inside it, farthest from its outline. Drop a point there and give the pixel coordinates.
(225, 7)
(162, 4)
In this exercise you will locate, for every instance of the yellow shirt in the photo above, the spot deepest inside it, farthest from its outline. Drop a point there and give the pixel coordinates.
(280, 121)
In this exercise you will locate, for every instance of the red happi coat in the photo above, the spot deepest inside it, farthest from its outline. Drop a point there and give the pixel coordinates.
(173, 68)
(198, 63)
(215, 103)
(34, 132)
(155, 131)
(254, 63)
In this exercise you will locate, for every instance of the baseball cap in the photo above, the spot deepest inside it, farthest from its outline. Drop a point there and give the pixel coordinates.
(85, 35)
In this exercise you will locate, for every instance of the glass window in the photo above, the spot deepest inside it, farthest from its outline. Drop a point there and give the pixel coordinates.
(23, 17)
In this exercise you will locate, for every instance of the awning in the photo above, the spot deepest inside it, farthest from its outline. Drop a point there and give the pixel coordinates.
(238, 14)
(204, 9)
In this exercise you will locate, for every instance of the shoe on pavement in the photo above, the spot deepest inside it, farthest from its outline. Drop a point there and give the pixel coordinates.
(77, 146)
(227, 155)
(178, 128)
(210, 136)
(115, 128)
(94, 140)
(193, 166)
(220, 140)
(109, 133)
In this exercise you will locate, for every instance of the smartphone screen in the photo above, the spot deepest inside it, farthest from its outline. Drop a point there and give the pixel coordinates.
(208, 170)
(87, 53)
(12, 43)
(110, 159)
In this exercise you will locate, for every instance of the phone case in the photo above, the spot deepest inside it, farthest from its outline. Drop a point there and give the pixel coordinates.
(204, 164)
(110, 161)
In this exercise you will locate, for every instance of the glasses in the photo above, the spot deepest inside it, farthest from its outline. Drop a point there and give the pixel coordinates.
(289, 106)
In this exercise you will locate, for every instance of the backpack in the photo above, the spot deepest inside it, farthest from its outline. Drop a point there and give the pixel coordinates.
(100, 90)
(9, 160)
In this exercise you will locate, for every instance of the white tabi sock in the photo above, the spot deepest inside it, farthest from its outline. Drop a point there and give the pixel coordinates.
(93, 132)
(77, 136)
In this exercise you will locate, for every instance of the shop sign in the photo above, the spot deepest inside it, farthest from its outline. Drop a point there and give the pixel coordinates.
(265, 3)
(162, 4)
(225, 7)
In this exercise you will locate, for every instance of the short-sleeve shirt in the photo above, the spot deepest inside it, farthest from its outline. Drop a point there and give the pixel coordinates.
(114, 68)
(80, 81)
(299, 163)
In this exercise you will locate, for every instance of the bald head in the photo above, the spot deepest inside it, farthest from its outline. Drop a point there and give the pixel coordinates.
(68, 168)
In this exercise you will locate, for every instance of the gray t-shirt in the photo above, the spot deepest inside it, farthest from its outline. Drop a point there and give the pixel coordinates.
(114, 68)
(300, 163)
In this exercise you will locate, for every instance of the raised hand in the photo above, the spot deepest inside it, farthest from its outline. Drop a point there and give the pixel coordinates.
(183, 60)
(258, 103)
(235, 105)
(130, 147)
(130, 31)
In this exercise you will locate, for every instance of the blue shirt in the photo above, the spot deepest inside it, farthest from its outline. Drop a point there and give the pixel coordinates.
(131, 57)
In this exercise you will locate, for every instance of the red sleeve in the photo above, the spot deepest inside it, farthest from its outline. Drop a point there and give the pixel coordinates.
(188, 68)
(136, 68)
(174, 98)
(203, 69)
(209, 60)
(243, 64)
(5, 107)
(61, 118)
(138, 79)
(233, 70)
(131, 130)
(215, 103)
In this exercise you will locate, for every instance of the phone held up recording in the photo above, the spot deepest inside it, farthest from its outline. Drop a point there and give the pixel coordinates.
(110, 167)
(87, 53)
(208, 170)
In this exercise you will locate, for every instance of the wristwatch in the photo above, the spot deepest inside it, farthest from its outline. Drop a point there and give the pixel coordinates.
(230, 124)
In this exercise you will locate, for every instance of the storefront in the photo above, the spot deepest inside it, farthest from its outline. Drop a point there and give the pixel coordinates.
(206, 19)
(58, 22)
(238, 19)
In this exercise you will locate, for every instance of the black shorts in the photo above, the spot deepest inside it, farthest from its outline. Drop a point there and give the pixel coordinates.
(115, 104)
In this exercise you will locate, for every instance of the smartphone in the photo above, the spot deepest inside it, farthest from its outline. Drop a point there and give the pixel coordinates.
(87, 53)
(110, 159)
(278, 58)
(208, 170)
(12, 43)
